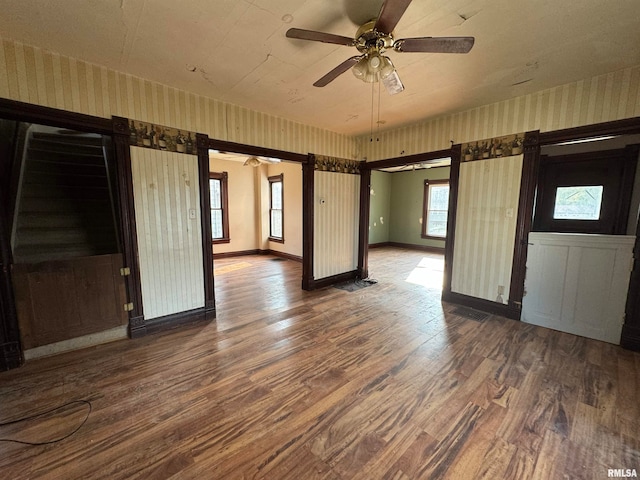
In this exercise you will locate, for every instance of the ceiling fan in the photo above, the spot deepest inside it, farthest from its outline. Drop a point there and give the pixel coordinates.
(372, 39)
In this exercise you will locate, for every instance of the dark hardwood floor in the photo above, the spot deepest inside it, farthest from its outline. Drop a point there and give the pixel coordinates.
(385, 382)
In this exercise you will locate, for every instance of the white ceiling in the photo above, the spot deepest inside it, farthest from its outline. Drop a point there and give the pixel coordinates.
(236, 50)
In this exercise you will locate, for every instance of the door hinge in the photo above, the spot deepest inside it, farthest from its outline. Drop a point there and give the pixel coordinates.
(124, 271)
(128, 307)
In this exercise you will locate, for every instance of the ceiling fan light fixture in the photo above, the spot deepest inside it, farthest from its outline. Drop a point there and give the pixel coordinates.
(360, 69)
(392, 83)
(387, 68)
(252, 162)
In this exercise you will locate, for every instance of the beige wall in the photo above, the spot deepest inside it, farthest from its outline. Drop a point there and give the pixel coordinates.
(242, 210)
(33, 75)
(603, 98)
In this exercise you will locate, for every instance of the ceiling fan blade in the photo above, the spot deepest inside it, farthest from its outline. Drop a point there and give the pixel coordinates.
(390, 14)
(434, 44)
(320, 37)
(336, 72)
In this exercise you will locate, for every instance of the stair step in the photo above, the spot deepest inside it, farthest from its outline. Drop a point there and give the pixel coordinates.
(65, 147)
(68, 157)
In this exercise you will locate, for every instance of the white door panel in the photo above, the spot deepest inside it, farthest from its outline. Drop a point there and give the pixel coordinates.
(578, 283)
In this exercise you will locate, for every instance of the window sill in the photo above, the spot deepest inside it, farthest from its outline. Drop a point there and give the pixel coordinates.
(277, 240)
(220, 240)
(432, 237)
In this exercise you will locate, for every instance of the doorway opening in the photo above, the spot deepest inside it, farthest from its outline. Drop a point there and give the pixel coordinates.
(408, 220)
(64, 239)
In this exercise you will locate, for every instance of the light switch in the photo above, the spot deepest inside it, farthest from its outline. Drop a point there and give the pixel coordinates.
(192, 213)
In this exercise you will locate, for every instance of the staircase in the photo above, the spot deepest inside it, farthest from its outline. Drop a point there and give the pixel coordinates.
(64, 200)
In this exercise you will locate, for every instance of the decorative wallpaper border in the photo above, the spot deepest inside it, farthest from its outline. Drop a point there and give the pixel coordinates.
(338, 165)
(160, 137)
(504, 146)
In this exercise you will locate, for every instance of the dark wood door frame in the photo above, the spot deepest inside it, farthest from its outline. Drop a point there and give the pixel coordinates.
(11, 355)
(365, 197)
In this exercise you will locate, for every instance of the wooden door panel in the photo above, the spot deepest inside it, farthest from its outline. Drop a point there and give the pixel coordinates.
(65, 299)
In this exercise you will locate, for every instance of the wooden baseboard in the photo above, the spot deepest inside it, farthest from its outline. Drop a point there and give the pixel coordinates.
(237, 254)
(10, 356)
(482, 305)
(379, 245)
(241, 253)
(328, 281)
(630, 338)
(180, 319)
(409, 246)
(288, 256)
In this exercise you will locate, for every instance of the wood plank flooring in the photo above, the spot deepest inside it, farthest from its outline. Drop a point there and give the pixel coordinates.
(381, 383)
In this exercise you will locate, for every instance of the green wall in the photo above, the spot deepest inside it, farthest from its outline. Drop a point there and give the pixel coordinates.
(397, 198)
(380, 207)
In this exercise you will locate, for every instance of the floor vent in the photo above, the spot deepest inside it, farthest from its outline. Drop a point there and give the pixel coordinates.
(470, 314)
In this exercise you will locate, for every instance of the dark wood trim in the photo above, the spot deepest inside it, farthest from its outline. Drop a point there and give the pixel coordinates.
(454, 182)
(129, 237)
(363, 222)
(137, 327)
(409, 159)
(181, 319)
(224, 201)
(308, 205)
(482, 304)
(614, 169)
(202, 144)
(630, 337)
(10, 344)
(379, 245)
(528, 184)
(239, 253)
(288, 256)
(276, 179)
(231, 147)
(27, 112)
(410, 246)
(328, 281)
(627, 126)
(425, 204)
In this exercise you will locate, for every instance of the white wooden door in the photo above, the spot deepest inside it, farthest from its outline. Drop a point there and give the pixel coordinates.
(578, 283)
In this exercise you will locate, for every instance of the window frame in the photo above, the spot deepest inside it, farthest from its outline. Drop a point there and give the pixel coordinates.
(276, 179)
(425, 208)
(223, 177)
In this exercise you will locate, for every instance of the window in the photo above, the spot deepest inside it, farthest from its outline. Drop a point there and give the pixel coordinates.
(276, 228)
(219, 202)
(588, 192)
(578, 203)
(435, 209)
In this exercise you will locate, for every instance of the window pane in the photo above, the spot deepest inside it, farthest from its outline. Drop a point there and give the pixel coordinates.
(437, 223)
(216, 224)
(578, 203)
(276, 223)
(216, 194)
(438, 197)
(276, 195)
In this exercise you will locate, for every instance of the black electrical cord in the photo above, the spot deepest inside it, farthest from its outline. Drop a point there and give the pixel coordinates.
(31, 417)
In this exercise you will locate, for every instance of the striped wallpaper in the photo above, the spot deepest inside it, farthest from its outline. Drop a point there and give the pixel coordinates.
(166, 190)
(486, 227)
(40, 77)
(337, 207)
(603, 98)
